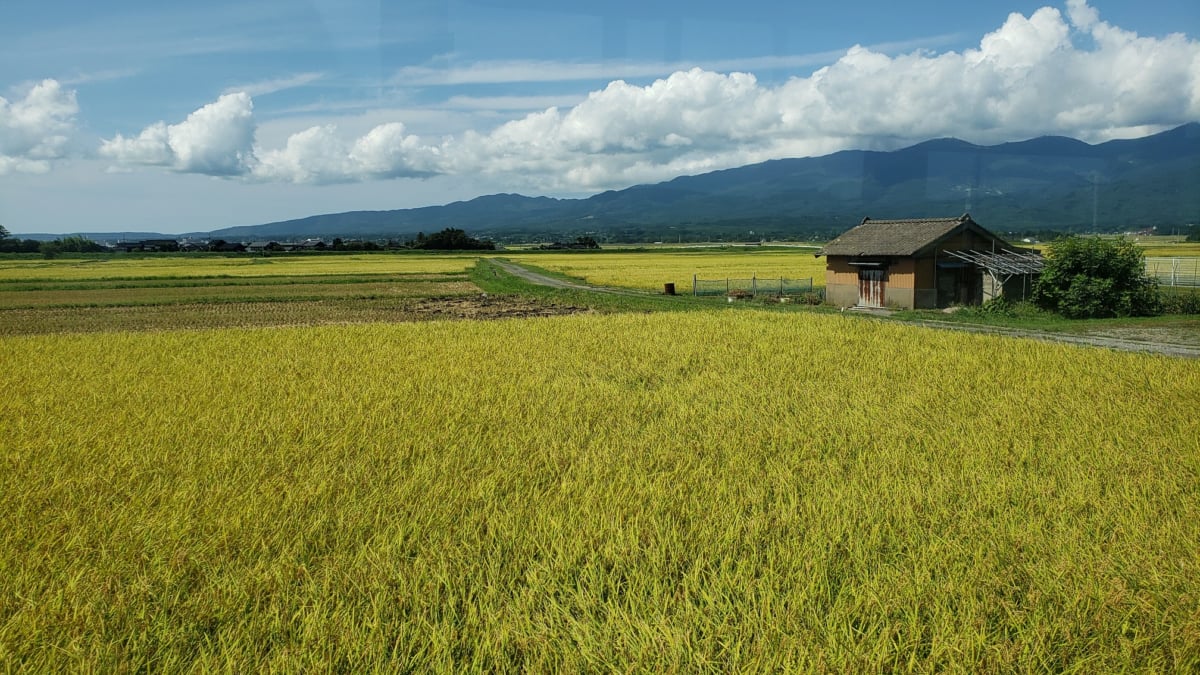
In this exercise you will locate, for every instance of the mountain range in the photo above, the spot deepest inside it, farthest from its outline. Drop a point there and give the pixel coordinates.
(1047, 183)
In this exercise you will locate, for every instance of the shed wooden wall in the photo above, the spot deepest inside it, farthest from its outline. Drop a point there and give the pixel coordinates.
(841, 281)
(900, 282)
(910, 282)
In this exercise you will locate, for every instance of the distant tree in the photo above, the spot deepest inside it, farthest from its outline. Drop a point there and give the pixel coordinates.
(580, 243)
(50, 249)
(1093, 277)
(78, 244)
(1194, 235)
(451, 239)
(14, 245)
(3, 232)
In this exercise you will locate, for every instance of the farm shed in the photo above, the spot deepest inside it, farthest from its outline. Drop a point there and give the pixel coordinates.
(924, 263)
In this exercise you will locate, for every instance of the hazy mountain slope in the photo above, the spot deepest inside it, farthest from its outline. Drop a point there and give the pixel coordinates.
(1042, 183)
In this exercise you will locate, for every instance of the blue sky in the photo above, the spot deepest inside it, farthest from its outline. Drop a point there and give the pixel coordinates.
(177, 117)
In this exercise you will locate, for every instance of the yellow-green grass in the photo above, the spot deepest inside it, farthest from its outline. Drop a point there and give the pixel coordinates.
(650, 270)
(121, 267)
(230, 293)
(712, 491)
(1190, 249)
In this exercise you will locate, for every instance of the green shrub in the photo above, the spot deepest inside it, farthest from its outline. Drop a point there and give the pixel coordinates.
(1002, 308)
(811, 298)
(997, 306)
(1181, 301)
(1090, 277)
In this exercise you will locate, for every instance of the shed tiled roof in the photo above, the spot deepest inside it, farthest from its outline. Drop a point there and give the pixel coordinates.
(895, 237)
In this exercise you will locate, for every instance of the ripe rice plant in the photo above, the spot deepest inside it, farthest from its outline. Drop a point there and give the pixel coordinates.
(229, 293)
(710, 491)
(1182, 249)
(651, 270)
(175, 266)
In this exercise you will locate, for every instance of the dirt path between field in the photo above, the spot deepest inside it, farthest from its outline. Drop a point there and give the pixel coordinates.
(543, 280)
(1165, 341)
(1152, 340)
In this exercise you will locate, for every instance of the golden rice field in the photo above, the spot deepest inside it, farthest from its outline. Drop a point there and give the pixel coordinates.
(650, 270)
(136, 295)
(130, 267)
(233, 293)
(1172, 250)
(715, 491)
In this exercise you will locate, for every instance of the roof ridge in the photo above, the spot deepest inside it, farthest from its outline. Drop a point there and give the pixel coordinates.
(899, 237)
(957, 219)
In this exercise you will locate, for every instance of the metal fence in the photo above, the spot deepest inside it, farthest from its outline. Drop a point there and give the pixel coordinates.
(1174, 271)
(752, 287)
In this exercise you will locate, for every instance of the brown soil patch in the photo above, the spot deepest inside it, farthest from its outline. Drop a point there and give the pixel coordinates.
(43, 320)
(481, 307)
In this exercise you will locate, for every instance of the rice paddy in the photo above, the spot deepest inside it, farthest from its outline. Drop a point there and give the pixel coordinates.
(183, 267)
(650, 270)
(717, 490)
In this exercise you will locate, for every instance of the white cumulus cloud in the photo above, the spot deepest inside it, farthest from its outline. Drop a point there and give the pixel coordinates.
(1046, 73)
(36, 128)
(1034, 75)
(321, 155)
(216, 140)
(219, 140)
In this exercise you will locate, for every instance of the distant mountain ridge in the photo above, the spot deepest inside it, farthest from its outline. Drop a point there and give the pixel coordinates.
(1051, 182)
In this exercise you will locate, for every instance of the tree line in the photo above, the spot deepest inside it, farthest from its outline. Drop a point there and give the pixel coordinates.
(50, 249)
(449, 239)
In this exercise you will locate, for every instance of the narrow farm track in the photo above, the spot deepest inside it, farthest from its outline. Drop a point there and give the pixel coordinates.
(1190, 351)
(543, 280)
(1176, 349)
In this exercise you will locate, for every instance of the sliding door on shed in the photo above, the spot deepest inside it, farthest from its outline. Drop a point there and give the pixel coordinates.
(870, 287)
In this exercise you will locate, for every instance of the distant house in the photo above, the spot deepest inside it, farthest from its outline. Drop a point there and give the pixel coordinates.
(286, 246)
(149, 245)
(223, 246)
(924, 264)
(260, 246)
